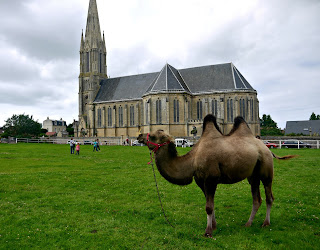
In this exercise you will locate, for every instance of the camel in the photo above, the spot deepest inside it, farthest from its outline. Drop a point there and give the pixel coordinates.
(215, 159)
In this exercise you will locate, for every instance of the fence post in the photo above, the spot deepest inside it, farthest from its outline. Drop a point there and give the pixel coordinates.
(317, 144)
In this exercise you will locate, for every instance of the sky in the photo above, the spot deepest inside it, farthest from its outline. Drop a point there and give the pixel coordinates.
(274, 44)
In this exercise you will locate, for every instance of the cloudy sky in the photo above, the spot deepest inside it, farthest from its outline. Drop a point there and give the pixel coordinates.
(275, 45)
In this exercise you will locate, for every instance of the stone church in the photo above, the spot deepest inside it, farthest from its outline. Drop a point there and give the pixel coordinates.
(175, 100)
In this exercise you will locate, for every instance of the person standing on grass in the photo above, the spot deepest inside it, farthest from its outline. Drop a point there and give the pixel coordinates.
(78, 149)
(72, 145)
(95, 146)
(98, 145)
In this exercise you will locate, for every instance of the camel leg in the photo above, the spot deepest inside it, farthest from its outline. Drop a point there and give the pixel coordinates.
(256, 198)
(269, 200)
(210, 189)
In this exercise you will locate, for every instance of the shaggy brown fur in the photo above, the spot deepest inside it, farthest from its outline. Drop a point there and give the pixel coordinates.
(215, 159)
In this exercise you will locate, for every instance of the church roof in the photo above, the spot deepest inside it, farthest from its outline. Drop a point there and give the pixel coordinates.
(168, 80)
(204, 79)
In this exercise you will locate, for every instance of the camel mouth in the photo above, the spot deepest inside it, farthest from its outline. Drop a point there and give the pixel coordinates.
(140, 138)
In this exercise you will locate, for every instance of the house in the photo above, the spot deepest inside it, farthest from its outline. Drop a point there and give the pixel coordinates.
(54, 126)
(309, 127)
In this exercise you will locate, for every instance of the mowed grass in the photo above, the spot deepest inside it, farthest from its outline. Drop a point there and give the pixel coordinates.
(100, 200)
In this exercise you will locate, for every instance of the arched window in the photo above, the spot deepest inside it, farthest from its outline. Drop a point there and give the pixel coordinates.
(242, 108)
(214, 105)
(100, 63)
(131, 115)
(147, 113)
(109, 117)
(230, 110)
(99, 118)
(176, 117)
(120, 116)
(158, 112)
(252, 109)
(87, 61)
(199, 110)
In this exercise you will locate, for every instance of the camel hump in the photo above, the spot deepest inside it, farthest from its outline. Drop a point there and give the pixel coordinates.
(240, 127)
(210, 119)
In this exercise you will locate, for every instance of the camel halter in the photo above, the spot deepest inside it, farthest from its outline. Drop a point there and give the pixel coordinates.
(154, 173)
(156, 148)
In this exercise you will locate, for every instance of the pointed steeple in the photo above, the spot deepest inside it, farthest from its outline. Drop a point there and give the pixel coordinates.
(82, 42)
(104, 42)
(93, 33)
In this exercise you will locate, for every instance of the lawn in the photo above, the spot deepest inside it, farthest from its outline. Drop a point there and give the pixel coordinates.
(100, 200)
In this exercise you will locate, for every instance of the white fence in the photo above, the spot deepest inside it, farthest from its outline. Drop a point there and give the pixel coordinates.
(292, 143)
(82, 141)
(119, 141)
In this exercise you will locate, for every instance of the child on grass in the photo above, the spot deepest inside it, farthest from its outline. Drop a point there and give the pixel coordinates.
(78, 149)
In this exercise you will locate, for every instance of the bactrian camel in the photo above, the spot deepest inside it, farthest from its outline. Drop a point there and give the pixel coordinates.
(217, 158)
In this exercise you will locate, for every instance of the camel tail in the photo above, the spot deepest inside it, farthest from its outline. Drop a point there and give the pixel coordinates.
(286, 157)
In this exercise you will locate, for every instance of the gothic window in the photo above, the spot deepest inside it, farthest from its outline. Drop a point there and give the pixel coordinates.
(176, 111)
(214, 106)
(147, 112)
(100, 63)
(242, 108)
(158, 112)
(230, 110)
(131, 115)
(109, 117)
(252, 109)
(120, 116)
(199, 110)
(99, 118)
(87, 62)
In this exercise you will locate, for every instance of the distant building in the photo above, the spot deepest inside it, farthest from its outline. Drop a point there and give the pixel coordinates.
(303, 127)
(55, 126)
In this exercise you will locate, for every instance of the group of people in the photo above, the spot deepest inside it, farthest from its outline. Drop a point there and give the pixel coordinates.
(76, 145)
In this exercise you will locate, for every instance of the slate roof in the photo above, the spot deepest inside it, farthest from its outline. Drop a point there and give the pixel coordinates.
(168, 80)
(205, 79)
(303, 127)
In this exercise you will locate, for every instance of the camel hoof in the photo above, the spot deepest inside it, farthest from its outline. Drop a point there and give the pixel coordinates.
(248, 224)
(207, 235)
(266, 224)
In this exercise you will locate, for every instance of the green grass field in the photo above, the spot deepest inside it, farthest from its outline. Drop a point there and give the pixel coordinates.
(108, 199)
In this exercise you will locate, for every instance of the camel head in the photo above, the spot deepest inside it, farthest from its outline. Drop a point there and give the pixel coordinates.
(155, 138)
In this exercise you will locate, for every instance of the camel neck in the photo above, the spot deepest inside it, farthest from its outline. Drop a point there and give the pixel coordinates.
(175, 169)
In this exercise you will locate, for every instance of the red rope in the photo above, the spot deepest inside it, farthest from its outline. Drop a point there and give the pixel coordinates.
(156, 148)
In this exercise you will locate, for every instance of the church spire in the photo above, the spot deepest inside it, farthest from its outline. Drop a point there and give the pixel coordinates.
(93, 33)
(93, 48)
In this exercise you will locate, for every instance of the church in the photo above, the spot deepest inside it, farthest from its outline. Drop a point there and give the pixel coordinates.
(174, 100)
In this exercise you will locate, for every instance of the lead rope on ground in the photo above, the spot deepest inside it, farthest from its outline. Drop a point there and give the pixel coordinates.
(155, 179)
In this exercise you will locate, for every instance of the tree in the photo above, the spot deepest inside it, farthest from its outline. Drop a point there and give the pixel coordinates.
(70, 129)
(314, 117)
(21, 126)
(269, 126)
